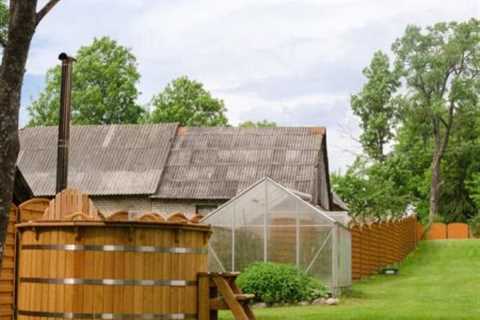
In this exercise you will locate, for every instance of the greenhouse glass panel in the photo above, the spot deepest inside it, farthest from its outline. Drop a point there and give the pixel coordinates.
(249, 228)
(321, 265)
(268, 222)
(220, 253)
(281, 225)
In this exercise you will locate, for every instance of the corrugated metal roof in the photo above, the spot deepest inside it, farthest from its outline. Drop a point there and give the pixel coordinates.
(217, 163)
(103, 160)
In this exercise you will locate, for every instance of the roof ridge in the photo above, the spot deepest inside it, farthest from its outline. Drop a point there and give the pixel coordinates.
(106, 125)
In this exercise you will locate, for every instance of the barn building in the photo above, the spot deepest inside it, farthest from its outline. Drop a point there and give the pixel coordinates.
(169, 168)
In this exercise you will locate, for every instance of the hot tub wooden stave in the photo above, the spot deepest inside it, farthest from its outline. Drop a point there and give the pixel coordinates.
(111, 271)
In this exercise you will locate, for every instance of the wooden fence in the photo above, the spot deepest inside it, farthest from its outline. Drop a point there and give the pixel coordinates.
(442, 231)
(29, 210)
(380, 244)
(7, 274)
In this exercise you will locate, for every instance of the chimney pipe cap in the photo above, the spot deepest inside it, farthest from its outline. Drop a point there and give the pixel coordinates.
(65, 57)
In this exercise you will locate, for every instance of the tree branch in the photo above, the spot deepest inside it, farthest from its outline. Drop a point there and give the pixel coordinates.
(46, 9)
(443, 121)
(448, 127)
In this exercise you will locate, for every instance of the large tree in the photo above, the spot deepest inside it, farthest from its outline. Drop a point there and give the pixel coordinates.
(15, 40)
(441, 67)
(187, 102)
(436, 108)
(375, 106)
(104, 89)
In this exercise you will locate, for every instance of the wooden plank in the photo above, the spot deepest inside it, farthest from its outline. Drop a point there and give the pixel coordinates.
(52, 289)
(149, 265)
(203, 297)
(98, 306)
(108, 267)
(129, 273)
(138, 273)
(227, 293)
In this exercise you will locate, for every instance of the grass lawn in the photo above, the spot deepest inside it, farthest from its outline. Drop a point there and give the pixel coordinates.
(440, 280)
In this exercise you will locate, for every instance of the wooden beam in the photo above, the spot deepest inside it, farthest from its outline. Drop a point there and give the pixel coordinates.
(227, 293)
(203, 297)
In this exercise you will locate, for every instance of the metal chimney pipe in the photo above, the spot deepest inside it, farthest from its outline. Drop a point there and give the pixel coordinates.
(64, 125)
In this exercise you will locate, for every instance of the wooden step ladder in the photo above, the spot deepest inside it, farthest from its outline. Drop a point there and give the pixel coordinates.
(218, 291)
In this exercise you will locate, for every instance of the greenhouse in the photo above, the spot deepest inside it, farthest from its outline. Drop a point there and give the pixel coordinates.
(269, 222)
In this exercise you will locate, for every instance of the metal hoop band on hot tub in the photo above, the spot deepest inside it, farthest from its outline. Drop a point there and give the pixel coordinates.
(111, 282)
(113, 248)
(108, 316)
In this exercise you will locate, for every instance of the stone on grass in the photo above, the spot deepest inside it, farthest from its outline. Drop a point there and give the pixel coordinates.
(260, 305)
(332, 301)
(319, 301)
(303, 303)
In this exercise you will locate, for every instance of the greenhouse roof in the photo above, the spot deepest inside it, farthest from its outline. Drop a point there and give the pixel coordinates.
(333, 217)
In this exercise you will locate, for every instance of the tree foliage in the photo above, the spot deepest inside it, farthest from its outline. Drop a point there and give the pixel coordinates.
(3, 22)
(258, 124)
(436, 138)
(375, 107)
(440, 66)
(187, 102)
(104, 89)
(372, 190)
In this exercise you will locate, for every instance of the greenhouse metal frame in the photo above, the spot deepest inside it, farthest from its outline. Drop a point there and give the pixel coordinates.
(271, 223)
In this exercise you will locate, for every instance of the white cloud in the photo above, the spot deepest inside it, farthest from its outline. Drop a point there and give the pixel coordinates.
(294, 62)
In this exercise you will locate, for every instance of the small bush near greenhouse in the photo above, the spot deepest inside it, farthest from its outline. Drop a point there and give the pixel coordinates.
(280, 283)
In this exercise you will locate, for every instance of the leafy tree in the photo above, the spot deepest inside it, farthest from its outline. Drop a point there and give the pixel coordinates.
(440, 66)
(473, 186)
(103, 91)
(187, 102)
(437, 111)
(372, 190)
(375, 106)
(15, 39)
(259, 124)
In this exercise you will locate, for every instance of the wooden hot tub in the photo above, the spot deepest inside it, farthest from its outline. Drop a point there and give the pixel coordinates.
(110, 269)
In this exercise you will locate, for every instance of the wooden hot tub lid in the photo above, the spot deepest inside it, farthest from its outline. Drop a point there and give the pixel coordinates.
(73, 208)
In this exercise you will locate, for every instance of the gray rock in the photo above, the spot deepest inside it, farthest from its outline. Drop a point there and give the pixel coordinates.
(319, 301)
(332, 301)
(303, 303)
(260, 305)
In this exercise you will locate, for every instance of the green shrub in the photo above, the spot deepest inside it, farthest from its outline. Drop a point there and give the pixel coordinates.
(475, 225)
(279, 283)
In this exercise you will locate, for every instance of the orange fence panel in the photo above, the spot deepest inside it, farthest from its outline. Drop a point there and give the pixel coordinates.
(438, 231)
(458, 231)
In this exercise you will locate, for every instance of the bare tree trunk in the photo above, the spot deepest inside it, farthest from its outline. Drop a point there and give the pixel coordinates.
(441, 144)
(21, 28)
(23, 20)
(435, 187)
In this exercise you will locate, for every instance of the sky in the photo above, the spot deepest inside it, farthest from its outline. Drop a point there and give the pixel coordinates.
(293, 62)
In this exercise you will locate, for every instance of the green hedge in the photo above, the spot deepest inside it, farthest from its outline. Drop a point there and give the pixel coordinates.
(475, 225)
(280, 283)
